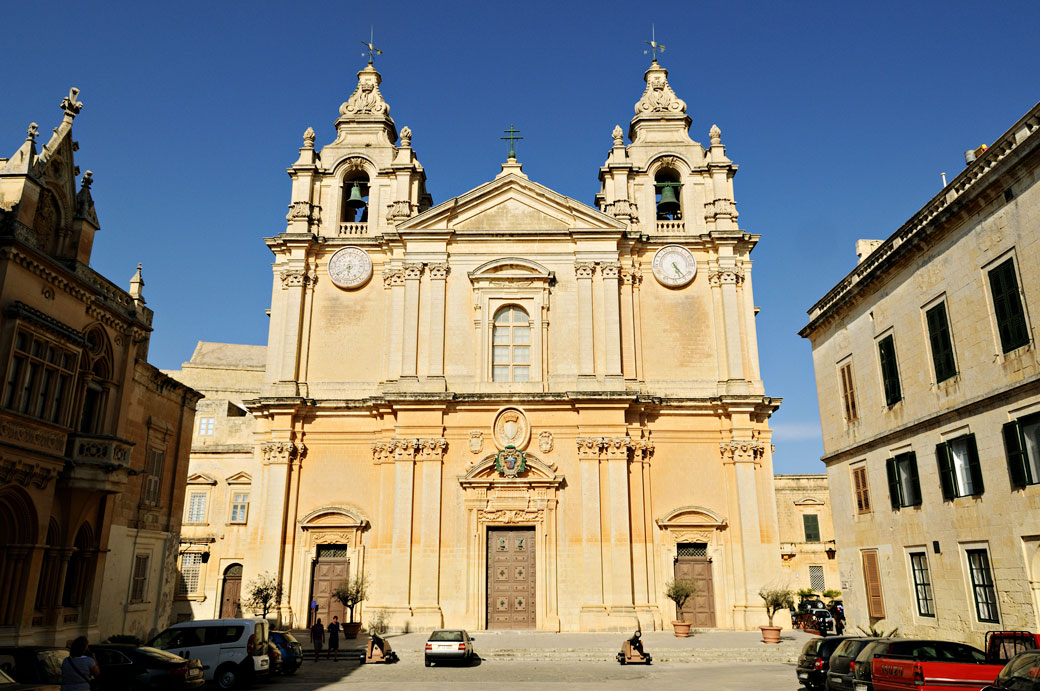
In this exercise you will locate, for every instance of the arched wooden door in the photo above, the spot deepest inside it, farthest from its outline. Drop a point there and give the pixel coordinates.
(231, 593)
(692, 562)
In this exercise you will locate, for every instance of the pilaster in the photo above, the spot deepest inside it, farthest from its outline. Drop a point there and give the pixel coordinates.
(393, 280)
(593, 609)
(616, 454)
(426, 610)
(409, 354)
(400, 575)
(584, 272)
(438, 286)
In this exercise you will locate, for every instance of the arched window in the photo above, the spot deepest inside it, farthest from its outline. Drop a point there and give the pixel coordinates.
(511, 345)
(355, 198)
(669, 194)
(97, 381)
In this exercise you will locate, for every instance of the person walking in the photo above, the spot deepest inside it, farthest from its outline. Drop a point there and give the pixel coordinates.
(334, 638)
(79, 668)
(317, 638)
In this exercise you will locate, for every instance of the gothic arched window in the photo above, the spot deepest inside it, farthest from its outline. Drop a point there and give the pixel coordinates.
(511, 345)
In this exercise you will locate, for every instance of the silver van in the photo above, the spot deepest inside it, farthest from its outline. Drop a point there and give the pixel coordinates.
(232, 651)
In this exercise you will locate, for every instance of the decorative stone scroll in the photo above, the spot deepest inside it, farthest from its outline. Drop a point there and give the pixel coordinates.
(659, 97)
(742, 450)
(303, 211)
(296, 278)
(282, 451)
(510, 515)
(366, 99)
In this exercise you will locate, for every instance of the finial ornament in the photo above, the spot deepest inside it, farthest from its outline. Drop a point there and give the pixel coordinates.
(618, 135)
(32, 132)
(308, 138)
(372, 50)
(659, 97)
(406, 136)
(366, 98)
(70, 105)
(716, 134)
(512, 136)
(655, 47)
(88, 180)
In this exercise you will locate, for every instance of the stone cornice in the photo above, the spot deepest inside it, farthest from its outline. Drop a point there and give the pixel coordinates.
(1010, 148)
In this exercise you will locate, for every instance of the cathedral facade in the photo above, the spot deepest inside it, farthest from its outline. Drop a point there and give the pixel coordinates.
(506, 410)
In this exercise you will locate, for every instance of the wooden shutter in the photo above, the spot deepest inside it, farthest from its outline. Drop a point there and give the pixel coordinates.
(1007, 307)
(893, 483)
(946, 477)
(1016, 455)
(859, 480)
(942, 347)
(872, 580)
(889, 371)
(975, 467)
(915, 480)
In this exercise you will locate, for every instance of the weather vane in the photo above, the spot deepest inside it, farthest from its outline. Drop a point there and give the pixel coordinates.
(512, 137)
(655, 47)
(372, 50)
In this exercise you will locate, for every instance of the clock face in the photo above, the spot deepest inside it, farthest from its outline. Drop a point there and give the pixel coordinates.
(674, 266)
(350, 267)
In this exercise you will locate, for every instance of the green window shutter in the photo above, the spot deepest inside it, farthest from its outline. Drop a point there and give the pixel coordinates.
(942, 347)
(975, 467)
(946, 477)
(889, 371)
(915, 480)
(1016, 455)
(893, 483)
(811, 524)
(1007, 307)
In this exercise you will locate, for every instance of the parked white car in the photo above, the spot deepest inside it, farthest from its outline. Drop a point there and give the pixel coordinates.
(231, 650)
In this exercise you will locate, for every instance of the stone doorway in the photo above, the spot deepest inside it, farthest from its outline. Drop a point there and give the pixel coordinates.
(330, 568)
(231, 593)
(510, 578)
(692, 562)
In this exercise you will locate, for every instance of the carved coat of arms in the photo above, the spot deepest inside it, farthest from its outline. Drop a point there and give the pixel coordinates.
(512, 429)
(510, 462)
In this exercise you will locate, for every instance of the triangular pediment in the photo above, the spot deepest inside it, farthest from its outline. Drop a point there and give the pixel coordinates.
(200, 479)
(239, 479)
(512, 203)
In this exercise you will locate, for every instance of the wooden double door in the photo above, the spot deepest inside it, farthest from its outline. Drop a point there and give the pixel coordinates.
(510, 578)
(327, 574)
(699, 610)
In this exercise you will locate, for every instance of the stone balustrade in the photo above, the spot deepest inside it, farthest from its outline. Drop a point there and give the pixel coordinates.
(353, 228)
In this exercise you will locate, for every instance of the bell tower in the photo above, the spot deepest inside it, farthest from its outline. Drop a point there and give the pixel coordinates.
(364, 182)
(663, 182)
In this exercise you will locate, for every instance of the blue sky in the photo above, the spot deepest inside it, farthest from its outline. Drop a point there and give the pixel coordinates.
(841, 116)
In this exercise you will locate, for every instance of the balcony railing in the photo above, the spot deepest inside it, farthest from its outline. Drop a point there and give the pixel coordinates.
(671, 226)
(100, 450)
(353, 228)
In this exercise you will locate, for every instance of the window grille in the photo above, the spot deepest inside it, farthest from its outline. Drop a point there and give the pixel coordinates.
(922, 584)
(332, 552)
(197, 507)
(816, 581)
(191, 564)
(692, 549)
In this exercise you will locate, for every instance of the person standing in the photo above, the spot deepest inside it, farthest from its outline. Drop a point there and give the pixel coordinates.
(317, 638)
(79, 668)
(334, 638)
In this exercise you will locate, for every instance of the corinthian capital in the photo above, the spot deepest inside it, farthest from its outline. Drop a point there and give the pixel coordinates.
(584, 269)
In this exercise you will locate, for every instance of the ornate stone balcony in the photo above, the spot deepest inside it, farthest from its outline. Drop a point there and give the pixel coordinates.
(671, 226)
(353, 228)
(98, 462)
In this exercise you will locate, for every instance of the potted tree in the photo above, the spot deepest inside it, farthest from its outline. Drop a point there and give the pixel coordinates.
(350, 593)
(679, 591)
(263, 594)
(775, 598)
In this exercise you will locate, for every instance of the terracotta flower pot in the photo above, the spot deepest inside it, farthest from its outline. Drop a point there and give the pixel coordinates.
(351, 629)
(770, 634)
(682, 629)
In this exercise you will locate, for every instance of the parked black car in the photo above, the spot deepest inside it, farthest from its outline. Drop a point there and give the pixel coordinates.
(840, 670)
(291, 650)
(1019, 674)
(862, 678)
(126, 667)
(814, 661)
(33, 664)
(9, 684)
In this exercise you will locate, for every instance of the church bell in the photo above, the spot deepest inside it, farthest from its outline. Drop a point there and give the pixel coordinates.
(669, 204)
(355, 201)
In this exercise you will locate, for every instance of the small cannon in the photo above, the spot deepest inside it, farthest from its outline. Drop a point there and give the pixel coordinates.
(379, 650)
(632, 652)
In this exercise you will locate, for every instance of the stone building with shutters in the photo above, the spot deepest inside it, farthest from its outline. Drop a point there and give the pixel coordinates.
(506, 410)
(93, 440)
(807, 547)
(929, 390)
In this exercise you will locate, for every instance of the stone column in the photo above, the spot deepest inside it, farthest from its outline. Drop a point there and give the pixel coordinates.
(752, 559)
(586, 361)
(426, 610)
(394, 279)
(409, 352)
(400, 576)
(593, 609)
(616, 450)
(611, 272)
(438, 286)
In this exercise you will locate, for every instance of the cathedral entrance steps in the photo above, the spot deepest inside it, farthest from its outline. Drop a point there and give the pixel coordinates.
(703, 646)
